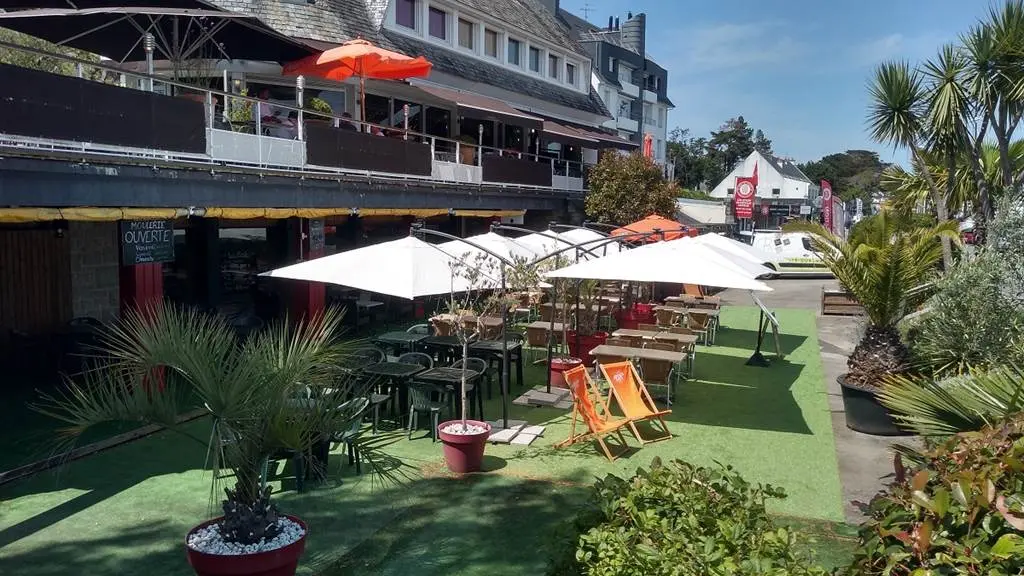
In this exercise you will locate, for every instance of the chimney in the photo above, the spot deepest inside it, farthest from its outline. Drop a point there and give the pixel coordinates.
(611, 25)
(634, 31)
(616, 22)
(552, 5)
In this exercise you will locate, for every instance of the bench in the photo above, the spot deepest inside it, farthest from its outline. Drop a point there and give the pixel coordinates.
(840, 303)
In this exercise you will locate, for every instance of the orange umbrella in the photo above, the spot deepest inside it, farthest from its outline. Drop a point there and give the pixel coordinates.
(363, 59)
(670, 229)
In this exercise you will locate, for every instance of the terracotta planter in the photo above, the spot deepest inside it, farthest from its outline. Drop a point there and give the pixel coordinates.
(280, 562)
(559, 365)
(586, 344)
(864, 413)
(464, 452)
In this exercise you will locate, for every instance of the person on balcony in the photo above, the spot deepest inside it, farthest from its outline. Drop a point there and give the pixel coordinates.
(273, 124)
(346, 122)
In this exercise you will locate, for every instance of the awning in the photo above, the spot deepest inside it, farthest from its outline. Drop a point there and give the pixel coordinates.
(484, 108)
(92, 214)
(561, 133)
(605, 140)
(183, 30)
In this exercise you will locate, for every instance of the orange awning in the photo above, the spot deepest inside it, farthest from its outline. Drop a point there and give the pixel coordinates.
(670, 229)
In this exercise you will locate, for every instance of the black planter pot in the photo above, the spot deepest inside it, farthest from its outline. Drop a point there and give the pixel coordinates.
(864, 413)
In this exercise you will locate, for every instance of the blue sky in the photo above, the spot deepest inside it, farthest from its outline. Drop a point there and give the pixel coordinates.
(796, 69)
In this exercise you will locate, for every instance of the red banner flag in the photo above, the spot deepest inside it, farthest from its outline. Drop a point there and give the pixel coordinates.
(826, 205)
(743, 198)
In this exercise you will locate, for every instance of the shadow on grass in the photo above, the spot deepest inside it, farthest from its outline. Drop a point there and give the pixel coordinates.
(730, 394)
(744, 339)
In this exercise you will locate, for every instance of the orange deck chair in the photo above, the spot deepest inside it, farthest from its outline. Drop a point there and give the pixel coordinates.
(692, 290)
(633, 399)
(584, 392)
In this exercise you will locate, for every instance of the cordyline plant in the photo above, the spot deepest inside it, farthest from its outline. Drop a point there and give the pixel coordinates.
(476, 290)
(283, 388)
(887, 273)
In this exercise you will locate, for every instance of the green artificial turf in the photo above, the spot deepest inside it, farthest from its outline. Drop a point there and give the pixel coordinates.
(127, 510)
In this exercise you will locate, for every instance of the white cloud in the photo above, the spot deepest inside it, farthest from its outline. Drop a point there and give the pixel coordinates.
(737, 46)
(896, 47)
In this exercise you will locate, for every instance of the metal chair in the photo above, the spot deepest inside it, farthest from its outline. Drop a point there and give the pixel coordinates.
(368, 355)
(417, 358)
(666, 317)
(620, 341)
(700, 323)
(419, 329)
(648, 327)
(477, 368)
(659, 374)
(420, 401)
(350, 435)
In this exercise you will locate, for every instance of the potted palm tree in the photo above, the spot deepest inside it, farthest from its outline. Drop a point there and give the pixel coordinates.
(887, 273)
(586, 336)
(284, 388)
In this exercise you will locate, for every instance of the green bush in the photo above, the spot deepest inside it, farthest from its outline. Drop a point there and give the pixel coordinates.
(972, 321)
(679, 519)
(962, 512)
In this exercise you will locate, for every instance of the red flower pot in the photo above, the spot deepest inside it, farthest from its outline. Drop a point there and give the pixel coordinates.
(625, 318)
(586, 344)
(280, 562)
(559, 365)
(464, 452)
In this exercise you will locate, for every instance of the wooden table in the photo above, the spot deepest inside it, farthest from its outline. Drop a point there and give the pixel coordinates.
(542, 325)
(709, 311)
(652, 335)
(642, 353)
(695, 299)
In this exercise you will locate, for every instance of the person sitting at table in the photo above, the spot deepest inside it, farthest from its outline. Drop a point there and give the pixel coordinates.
(346, 122)
(273, 125)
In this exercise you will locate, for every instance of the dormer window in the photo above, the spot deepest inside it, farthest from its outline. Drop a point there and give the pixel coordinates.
(515, 52)
(491, 43)
(438, 23)
(570, 74)
(467, 34)
(553, 66)
(405, 13)
(534, 59)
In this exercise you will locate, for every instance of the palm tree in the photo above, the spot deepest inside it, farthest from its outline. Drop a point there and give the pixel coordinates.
(886, 272)
(908, 190)
(282, 388)
(898, 116)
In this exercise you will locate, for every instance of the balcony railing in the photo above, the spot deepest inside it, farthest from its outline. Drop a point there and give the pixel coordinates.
(109, 117)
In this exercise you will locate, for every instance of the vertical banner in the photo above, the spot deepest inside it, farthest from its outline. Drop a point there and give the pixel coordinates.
(743, 198)
(826, 205)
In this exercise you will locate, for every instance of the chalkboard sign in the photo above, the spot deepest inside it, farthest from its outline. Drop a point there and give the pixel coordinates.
(147, 241)
(316, 236)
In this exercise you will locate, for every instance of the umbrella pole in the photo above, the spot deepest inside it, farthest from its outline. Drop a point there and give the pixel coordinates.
(504, 356)
(362, 102)
(551, 331)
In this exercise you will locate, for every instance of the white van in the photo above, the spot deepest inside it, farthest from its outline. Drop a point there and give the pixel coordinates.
(792, 251)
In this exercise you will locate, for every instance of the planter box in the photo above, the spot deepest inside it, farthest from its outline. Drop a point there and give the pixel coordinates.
(840, 303)
(864, 413)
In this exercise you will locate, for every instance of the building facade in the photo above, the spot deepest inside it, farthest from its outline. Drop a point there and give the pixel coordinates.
(631, 85)
(783, 190)
(504, 126)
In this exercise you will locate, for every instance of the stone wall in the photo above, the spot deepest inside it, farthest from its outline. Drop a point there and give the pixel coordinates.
(95, 281)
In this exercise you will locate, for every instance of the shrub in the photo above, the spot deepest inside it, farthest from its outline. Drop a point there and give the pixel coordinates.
(679, 519)
(972, 321)
(962, 512)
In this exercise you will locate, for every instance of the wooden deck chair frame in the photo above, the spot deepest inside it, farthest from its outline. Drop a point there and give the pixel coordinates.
(584, 392)
(633, 398)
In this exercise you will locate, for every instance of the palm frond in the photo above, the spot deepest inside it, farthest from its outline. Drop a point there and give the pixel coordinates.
(896, 110)
(959, 404)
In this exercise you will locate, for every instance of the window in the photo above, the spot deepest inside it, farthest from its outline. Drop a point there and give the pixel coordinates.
(730, 191)
(606, 95)
(661, 117)
(405, 13)
(438, 23)
(534, 59)
(807, 244)
(553, 66)
(611, 64)
(467, 34)
(624, 107)
(776, 191)
(648, 114)
(490, 43)
(625, 75)
(515, 48)
(570, 73)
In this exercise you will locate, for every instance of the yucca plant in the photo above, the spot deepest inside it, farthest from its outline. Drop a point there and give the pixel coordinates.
(962, 403)
(885, 272)
(285, 387)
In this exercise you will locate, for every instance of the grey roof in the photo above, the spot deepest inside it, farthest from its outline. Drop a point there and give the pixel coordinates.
(786, 168)
(337, 21)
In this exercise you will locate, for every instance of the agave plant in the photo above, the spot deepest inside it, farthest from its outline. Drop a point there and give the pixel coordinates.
(284, 388)
(962, 403)
(886, 272)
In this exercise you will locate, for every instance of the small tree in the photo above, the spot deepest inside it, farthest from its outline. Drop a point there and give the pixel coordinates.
(627, 188)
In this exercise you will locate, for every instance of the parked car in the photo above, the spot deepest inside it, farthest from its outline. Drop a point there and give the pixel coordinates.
(793, 254)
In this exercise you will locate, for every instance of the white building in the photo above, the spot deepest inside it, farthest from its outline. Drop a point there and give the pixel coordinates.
(782, 188)
(632, 86)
